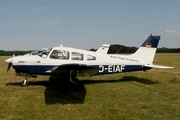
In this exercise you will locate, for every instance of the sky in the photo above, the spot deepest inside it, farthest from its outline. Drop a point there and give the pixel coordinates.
(86, 24)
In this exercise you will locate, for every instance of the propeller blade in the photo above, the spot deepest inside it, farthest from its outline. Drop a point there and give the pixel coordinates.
(9, 66)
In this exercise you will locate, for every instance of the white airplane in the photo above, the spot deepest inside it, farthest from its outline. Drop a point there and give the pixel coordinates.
(71, 62)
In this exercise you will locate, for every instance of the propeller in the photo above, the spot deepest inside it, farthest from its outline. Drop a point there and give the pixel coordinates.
(9, 61)
(9, 66)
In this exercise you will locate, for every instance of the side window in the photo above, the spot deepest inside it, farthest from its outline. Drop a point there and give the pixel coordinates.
(90, 57)
(77, 56)
(60, 54)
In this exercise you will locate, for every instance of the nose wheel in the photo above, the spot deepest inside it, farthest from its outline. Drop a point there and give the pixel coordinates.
(24, 82)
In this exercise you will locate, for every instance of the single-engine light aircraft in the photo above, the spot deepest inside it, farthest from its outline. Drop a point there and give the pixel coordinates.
(71, 62)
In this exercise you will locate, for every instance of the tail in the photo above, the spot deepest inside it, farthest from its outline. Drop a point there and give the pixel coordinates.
(147, 50)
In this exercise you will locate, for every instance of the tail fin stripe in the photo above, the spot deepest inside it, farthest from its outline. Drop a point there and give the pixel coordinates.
(152, 41)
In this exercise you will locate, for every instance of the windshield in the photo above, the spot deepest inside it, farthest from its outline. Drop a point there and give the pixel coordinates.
(44, 53)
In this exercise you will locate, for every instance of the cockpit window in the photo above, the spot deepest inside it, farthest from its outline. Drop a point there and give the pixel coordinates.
(77, 56)
(60, 54)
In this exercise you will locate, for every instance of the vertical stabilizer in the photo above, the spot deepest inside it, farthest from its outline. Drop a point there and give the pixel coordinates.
(147, 50)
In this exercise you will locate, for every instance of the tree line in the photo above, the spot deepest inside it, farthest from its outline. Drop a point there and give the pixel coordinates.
(16, 52)
(113, 49)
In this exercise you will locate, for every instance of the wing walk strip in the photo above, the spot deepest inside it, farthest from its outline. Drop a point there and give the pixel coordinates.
(50, 71)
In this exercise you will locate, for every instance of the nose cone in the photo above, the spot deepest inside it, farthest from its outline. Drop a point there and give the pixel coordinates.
(8, 60)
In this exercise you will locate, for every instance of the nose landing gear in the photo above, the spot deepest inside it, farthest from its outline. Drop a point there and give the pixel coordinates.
(24, 82)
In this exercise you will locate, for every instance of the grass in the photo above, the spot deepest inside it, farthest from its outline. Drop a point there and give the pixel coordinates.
(153, 95)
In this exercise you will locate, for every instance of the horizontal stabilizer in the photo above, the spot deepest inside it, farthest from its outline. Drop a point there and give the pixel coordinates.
(158, 66)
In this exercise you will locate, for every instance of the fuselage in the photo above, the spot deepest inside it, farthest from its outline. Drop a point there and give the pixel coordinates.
(105, 63)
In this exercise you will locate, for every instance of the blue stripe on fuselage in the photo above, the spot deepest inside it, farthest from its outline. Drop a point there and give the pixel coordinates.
(36, 69)
(103, 69)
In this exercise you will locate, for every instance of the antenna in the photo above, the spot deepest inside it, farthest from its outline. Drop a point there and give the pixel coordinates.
(118, 50)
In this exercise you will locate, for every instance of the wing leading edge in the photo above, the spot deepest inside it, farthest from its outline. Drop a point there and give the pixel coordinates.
(81, 69)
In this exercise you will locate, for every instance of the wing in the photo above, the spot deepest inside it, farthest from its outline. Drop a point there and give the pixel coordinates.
(80, 69)
(158, 66)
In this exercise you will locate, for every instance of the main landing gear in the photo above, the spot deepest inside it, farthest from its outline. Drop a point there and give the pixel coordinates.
(72, 84)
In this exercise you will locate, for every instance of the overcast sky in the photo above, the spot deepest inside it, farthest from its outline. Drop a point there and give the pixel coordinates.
(85, 24)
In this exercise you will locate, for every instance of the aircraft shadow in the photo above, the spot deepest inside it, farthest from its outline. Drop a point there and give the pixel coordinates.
(59, 91)
(124, 79)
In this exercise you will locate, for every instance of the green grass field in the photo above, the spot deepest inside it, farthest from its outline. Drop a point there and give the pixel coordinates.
(150, 95)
